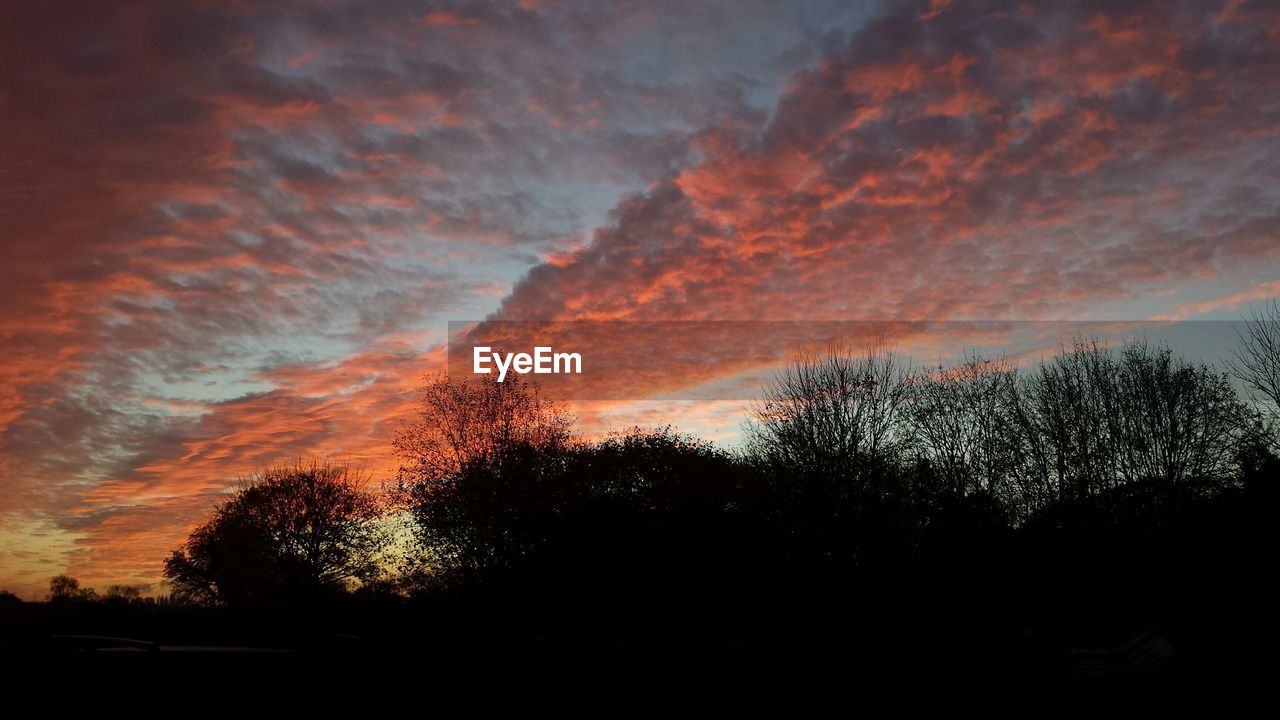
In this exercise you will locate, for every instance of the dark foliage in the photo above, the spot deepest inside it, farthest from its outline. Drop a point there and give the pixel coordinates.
(292, 534)
(972, 522)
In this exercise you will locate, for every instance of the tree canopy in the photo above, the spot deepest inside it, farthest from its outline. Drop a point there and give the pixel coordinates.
(291, 533)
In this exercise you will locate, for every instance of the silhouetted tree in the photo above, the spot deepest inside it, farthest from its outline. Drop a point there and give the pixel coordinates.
(661, 470)
(834, 414)
(475, 421)
(290, 534)
(828, 432)
(648, 531)
(1181, 422)
(474, 464)
(123, 593)
(1092, 420)
(566, 508)
(963, 424)
(63, 588)
(1256, 362)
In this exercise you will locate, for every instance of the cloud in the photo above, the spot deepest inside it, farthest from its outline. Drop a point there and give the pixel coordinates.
(234, 234)
(983, 161)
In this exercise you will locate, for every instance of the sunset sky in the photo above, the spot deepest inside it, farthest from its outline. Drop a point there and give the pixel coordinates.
(232, 233)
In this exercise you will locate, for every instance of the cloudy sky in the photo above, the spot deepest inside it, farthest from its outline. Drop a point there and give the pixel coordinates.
(235, 232)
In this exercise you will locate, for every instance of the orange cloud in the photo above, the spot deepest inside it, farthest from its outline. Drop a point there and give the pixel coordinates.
(233, 234)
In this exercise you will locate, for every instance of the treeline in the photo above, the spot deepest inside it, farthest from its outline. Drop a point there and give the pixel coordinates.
(851, 459)
(981, 506)
(1089, 422)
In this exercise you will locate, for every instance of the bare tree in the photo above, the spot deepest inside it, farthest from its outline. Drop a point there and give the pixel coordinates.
(1068, 411)
(832, 414)
(465, 421)
(1178, 421)
(1256, 362)
(1092, 420)
(472, 467)
(962, 420)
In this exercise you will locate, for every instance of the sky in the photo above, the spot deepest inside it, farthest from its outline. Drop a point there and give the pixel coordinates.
(233, 233)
